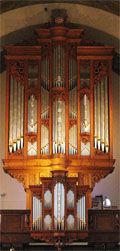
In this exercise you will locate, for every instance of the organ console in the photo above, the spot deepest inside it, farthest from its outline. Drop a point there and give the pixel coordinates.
(58, 125)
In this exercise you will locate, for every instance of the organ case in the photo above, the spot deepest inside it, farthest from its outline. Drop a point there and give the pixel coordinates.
(58, 118)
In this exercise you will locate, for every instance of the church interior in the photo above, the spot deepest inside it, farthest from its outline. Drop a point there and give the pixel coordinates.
(60, 125)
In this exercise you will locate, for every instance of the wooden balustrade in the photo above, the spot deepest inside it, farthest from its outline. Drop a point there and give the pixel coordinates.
(15, 226)
(103, 229)
(103, 226)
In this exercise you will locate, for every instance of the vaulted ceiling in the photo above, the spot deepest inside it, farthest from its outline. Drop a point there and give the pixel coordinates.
(107, 5)
(100, 19)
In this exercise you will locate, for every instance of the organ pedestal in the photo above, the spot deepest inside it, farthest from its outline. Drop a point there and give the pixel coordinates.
(59, 207)
(58, 118)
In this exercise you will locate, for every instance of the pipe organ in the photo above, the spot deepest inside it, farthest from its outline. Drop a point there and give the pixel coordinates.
(58, 120)
(65, 106)
(62, 210)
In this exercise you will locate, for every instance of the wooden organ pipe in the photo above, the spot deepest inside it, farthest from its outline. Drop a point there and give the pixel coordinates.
(101, 119)
(16, 115)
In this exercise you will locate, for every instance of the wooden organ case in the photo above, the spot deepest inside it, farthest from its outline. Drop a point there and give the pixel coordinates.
(58, 125)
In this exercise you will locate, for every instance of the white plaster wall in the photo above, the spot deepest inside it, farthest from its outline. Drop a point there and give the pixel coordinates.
(15, 197)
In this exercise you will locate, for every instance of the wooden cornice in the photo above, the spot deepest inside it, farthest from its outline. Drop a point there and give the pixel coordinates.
(26, 171)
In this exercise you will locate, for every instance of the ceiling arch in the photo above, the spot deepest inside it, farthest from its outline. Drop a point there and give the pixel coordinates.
(109, 6)
(19, 24)
(37, 14)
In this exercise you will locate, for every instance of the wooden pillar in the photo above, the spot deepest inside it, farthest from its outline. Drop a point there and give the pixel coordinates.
(28, 199)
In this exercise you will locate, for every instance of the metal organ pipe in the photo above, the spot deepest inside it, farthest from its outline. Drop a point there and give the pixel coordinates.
(73, 105)
(73, 140)
(102, 115)
(98, 115)
(11, 117)
(32, 114)
(58, 66)
(37, 214)
(101, 119)
(16, 115)
(59, 207)
(59, 127)
(45, 105)
(81, 217)
(18, 121)
(22, 114)
(106, 116)
(44, 140)
(95, 118)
